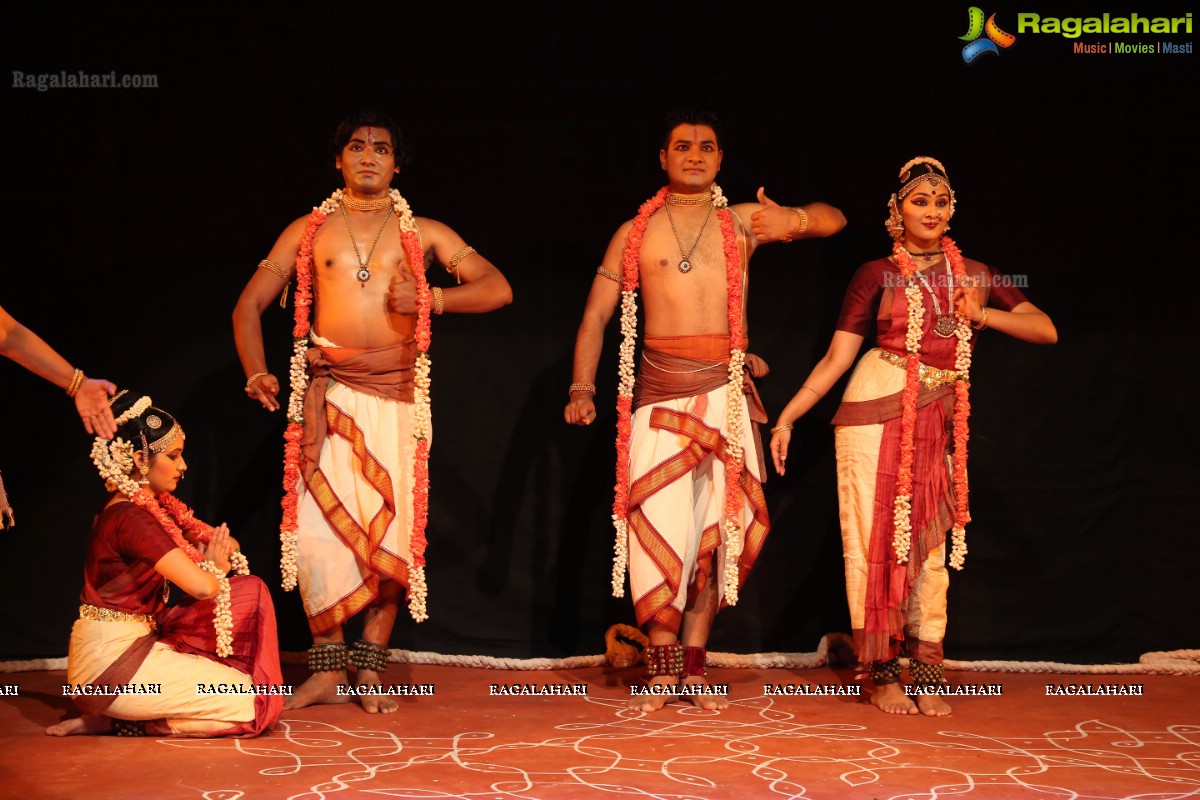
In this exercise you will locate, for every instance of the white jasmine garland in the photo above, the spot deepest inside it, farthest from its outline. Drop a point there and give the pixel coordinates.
(239, 562)
(223, 613)
(733, 449)
(620, 556)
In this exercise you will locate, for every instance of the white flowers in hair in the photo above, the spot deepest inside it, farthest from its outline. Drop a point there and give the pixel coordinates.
(134, 411)
(114, 462)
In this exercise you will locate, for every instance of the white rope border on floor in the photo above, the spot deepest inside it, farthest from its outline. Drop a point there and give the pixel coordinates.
(1173, 662)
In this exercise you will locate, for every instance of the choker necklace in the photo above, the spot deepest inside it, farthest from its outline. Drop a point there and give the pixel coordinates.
(928, 256)
(364, 272)
(946, 325)
(685, 265)
(689, 199)
(354, 204)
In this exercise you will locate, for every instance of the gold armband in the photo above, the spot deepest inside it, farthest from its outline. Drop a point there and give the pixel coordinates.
(271, 266)
(608, 273)
(456, 259)
(268, 264)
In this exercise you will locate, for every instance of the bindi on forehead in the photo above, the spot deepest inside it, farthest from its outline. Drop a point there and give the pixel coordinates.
(370, 136)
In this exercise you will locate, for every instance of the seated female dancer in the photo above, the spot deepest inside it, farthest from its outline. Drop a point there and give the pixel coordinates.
(898, 492)
(208, 666)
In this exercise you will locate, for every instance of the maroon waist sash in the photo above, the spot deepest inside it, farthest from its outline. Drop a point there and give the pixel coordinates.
(674, 367)
(382, 372)
(881, 409)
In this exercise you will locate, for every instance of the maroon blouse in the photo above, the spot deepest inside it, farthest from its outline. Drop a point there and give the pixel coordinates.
(876, 294)
(119, 573)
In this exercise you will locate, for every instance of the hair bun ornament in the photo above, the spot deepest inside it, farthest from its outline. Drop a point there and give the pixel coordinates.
(134, 411)
(154, 422)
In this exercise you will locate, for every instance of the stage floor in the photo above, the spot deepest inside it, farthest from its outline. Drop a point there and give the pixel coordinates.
(466, 742)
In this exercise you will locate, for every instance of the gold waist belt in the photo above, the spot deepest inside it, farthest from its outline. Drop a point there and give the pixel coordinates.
(930, 376)
(111, 615)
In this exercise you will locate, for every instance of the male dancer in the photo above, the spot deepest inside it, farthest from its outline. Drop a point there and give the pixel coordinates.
(358, 524)
(691, 541)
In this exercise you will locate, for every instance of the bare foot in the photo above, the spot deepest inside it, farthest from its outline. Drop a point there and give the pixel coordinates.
(89, 724)
(709, 702)
(653, 702)
(319, 689)
(932, 705)
(890, 698)
(375, 703)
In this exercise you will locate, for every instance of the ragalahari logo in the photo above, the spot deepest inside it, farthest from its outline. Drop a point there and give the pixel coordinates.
(976, 27)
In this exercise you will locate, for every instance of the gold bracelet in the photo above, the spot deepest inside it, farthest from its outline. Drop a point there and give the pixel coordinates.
(803, 219)
(787, 426)
(608, 273)
(814, 391)
(77, 379)
(255, 377)
(983, 321)
(270, 265)
(803, 223)
(439, 300)
(587, 388)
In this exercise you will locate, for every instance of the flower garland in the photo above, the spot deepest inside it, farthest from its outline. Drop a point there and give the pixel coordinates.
(170, 518)
(734, 455)
(914, 333)
(422, 416)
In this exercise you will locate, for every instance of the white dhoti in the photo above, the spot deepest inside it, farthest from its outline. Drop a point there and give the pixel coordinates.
(355, 513)
(677, 503)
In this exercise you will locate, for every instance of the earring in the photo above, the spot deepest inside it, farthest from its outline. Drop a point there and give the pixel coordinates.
(145, 467)
(894, 223)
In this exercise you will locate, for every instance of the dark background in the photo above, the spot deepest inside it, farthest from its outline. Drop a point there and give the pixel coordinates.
(136, 216)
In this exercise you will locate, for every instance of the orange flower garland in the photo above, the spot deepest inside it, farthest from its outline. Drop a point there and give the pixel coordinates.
(410, 239)
(169, 519)
(902, 505)
(733, 458)
(185, 517)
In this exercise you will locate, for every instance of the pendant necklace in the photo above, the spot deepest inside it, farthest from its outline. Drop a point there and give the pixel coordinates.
(364, 273)
(946, 325)
(685, 265)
